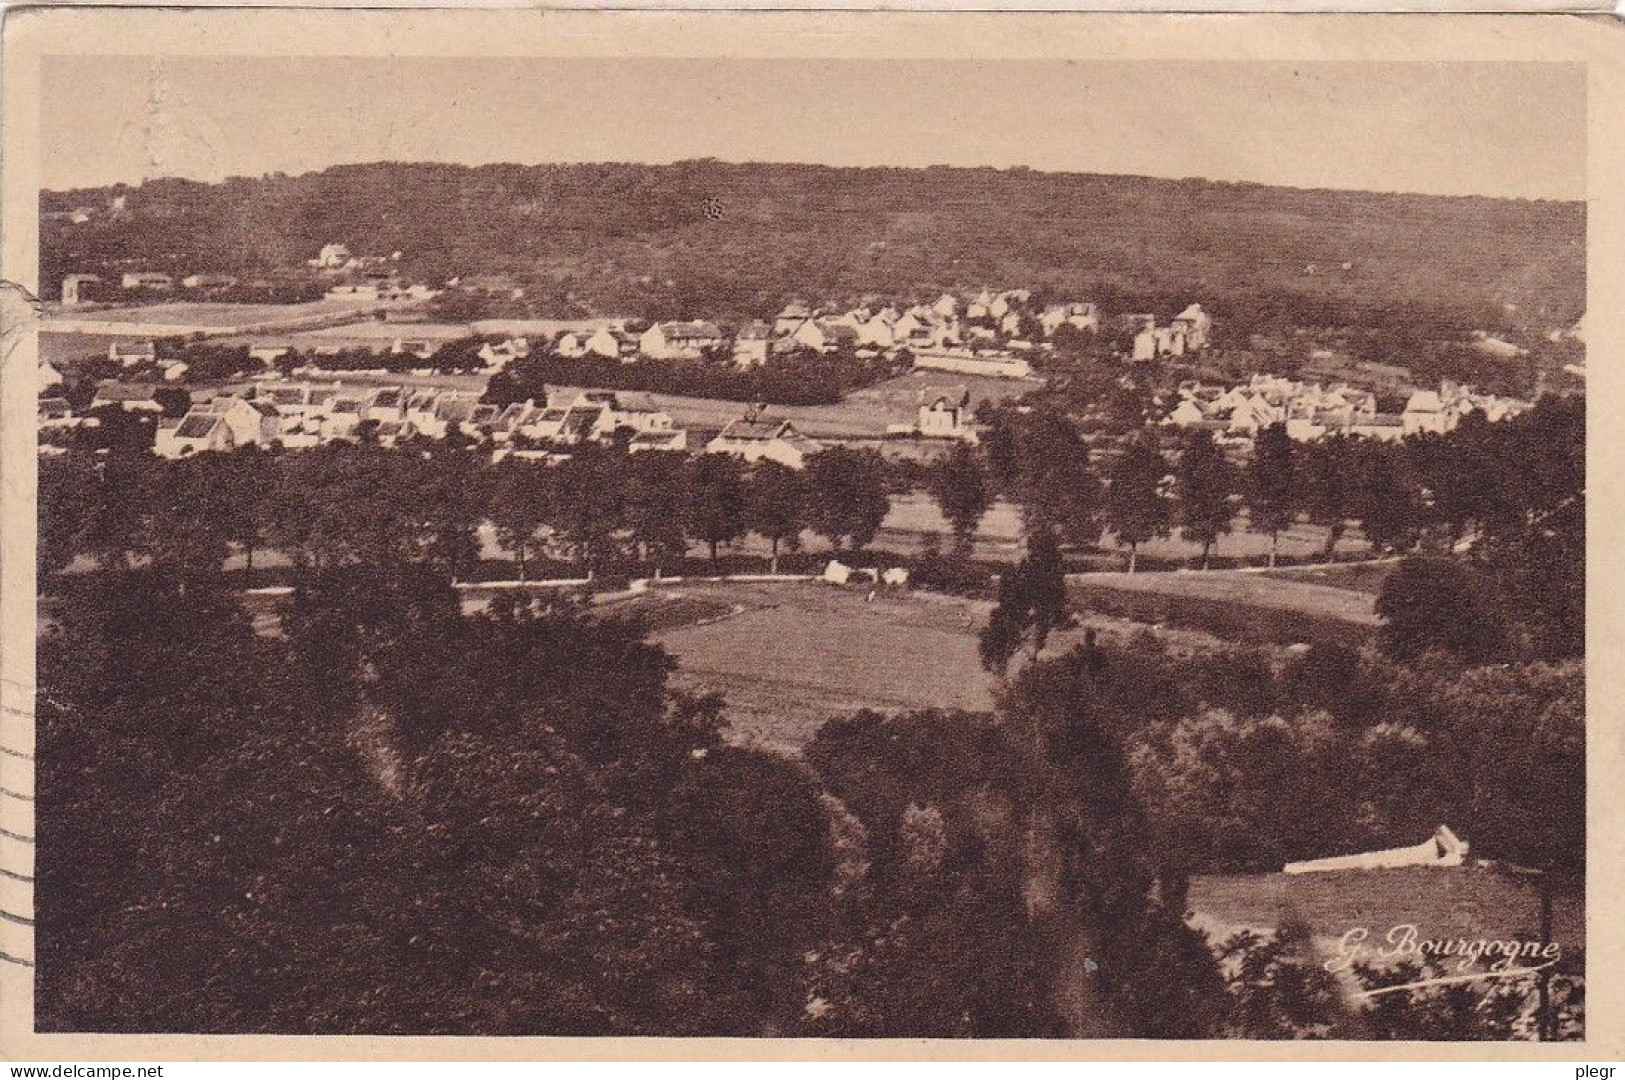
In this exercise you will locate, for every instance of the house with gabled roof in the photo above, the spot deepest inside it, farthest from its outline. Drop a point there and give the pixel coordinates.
(131, 397)
(751, 344)
(1080, 316)
(793, 315)
(194, 433)
(679, 340)
(132, 353)
(1194, 325)
(759, 438)
(946, 417)
(824, 335)
(673, 441)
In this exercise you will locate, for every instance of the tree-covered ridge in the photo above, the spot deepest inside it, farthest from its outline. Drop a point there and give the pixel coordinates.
(636, 240)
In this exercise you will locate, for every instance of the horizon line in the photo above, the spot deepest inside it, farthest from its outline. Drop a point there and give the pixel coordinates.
(734, 163)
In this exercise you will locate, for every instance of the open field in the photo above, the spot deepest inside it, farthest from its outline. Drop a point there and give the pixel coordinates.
(1234, 605)
(1470, 901)
(790, 656)
(1243, 588)
(1366, 577)
(207, 314)
(373, 331)
(62, 347)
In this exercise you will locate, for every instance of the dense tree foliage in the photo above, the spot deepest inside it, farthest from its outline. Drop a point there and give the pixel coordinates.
(642, 243)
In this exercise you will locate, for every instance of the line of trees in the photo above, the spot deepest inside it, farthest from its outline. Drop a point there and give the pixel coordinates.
(600, 509)
(803, 377)
(1504, 502)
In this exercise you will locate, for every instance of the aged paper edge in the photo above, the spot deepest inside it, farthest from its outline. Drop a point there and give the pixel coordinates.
(1599, 43)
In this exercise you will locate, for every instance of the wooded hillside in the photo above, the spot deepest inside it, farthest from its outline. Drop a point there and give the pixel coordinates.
(637, 239)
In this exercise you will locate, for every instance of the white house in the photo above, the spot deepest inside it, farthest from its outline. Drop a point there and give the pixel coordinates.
(1079, 316)
(758, 439)
(132, 353)
(965, 363)
(608, 343)
(499, 355)
(824, 335)
(679, 340)
(1425, 412)
(46, 376)
(147, 279)
(751, 344)
(1194, 325)
(1145, 344)
(947, 418)
(333, 257)
(877, 331)
(131, 397)
(194, 433)
(794, 314)
(73, 288)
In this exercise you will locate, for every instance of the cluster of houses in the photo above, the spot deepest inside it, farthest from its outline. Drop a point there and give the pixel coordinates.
(1310, 410)
(988, 334)
(300, 415)
(83, 288)
(361, 278)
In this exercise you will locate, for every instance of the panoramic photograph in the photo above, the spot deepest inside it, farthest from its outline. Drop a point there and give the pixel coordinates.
(808, 548)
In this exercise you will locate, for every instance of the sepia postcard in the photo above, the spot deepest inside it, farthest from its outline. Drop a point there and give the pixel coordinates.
(559, 534)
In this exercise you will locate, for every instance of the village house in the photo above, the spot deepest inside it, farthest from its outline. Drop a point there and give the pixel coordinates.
(386, 405)
(208, 281)
(224, 423)
(794, 314)
(1079, 316)
(947, 418)
(636, 413)
(674, 441)
(1425, 413)
(56, 412)
(131, 397)
(333, 257)
(342, 421)
(498, 355)
(996, 365)
(194, 433)
(751, 344)
(1144, 346)
(757, 438)
(79, 288)
(46, 376)
(132, 353)
(147, 279)
(824, 335)
(1193, 325)
(679, 340)
(877, 331)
